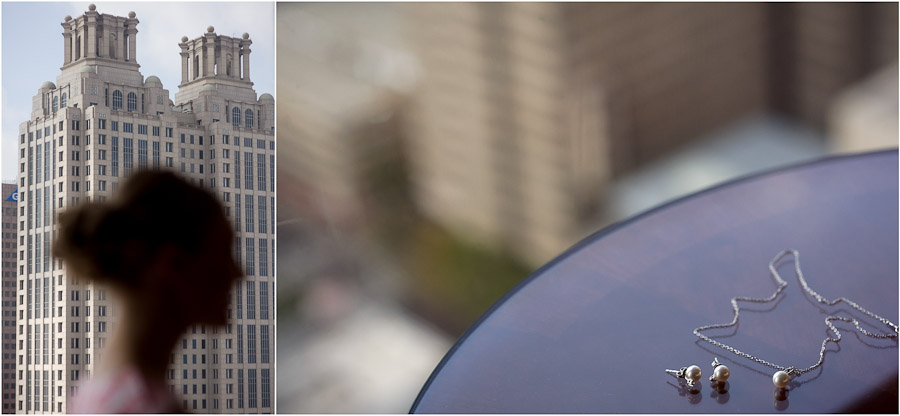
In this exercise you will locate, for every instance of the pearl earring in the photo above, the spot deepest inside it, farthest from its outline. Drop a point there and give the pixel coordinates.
(690, 374)
(781, 379)
(720, 371)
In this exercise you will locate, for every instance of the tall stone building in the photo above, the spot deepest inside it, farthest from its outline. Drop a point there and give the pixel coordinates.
(527, 110)
(101, 121)
(10, 197)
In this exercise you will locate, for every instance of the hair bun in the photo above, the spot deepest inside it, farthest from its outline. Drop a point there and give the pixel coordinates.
(81, 228)
(119, 241)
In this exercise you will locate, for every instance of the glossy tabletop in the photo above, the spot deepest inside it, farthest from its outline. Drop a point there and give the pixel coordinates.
(593, 330)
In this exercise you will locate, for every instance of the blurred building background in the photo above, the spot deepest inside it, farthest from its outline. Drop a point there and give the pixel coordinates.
(432, 155)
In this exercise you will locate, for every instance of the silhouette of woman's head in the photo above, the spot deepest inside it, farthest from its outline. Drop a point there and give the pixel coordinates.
(158, 240)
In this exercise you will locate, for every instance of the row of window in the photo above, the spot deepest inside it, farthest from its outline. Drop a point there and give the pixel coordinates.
(59, 102)
(251, 299)
(248, 260)
(248, 117)
(264, 346)
(142, 129)
(34, 175)
(117, 100)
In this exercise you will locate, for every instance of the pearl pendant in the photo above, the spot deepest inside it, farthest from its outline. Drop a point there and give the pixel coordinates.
(781, 379)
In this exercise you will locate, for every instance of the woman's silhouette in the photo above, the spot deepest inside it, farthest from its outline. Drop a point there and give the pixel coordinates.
(164, 249)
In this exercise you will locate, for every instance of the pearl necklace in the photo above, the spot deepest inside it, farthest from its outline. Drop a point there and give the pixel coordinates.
(782, 376)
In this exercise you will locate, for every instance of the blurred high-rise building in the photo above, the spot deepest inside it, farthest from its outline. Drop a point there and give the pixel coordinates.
(342, 116)
(527, 110)
(10, 242)
(101, 121)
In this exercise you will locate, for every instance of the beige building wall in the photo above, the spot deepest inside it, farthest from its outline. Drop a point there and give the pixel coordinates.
(115, 122)
(497, 146)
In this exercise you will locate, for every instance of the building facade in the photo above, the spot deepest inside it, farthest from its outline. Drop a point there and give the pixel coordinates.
(101, 121)
(10, 197)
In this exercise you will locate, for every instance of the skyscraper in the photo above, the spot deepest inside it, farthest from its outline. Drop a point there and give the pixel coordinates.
(101, 121)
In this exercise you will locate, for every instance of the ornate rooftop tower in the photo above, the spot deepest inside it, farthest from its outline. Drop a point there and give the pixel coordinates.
(219, 56)
(100, 36)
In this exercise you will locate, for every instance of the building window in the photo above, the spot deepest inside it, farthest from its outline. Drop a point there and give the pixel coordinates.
(142, 129)
(261, 171)
(262, 215)
(236, 117)
(132, 102)
(62, 101)
(264, 306)
(237, 213)
(155, 155)
(264, 388)
(251, 388)
(263, 254)
(169, 132)
(248, 170)
(115, 155)
(142, 154)
(128, 155)
(55, 104)
(248, 213)
(263, 338)
(117, 100)
(249, 260)
(156, 131)
(128, 127)
(248, 118)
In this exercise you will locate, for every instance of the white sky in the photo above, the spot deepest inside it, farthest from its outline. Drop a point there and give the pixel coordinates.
(32, 48)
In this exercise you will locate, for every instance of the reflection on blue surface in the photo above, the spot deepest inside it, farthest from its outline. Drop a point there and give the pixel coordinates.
(586, 329)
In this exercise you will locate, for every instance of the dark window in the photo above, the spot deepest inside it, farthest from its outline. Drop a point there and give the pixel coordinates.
(117, 100)
(132, 102)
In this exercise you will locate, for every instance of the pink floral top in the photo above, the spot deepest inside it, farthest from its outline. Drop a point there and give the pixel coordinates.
(123, 392)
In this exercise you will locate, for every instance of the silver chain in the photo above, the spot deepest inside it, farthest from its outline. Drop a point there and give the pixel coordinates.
(793, 371)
